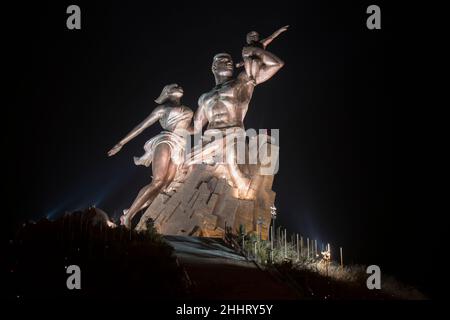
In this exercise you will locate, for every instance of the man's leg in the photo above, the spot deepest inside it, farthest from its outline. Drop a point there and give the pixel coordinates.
(240, 180)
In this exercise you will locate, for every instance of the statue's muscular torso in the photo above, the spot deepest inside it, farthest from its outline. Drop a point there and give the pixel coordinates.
(226, 104)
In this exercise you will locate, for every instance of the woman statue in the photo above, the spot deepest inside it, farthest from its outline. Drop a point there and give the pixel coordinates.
(165, 152)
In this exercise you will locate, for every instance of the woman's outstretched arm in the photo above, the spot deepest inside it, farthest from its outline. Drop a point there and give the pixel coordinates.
(151, 119)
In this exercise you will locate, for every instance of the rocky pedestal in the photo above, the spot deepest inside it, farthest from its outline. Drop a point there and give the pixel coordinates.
(205, 203)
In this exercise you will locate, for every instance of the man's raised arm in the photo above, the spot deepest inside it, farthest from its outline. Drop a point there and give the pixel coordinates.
(269, 66)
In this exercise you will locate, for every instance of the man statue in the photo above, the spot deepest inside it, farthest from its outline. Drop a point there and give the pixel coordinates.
(224, 107)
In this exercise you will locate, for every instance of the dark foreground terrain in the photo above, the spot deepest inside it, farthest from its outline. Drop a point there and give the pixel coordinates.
(116, 263)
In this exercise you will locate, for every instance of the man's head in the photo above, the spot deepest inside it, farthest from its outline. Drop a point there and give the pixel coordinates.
(171, 91)
(222, 65)
(252, 37)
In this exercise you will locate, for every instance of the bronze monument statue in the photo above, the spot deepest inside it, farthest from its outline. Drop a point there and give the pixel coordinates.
(165, 152)
(224, 107)
(194, 192)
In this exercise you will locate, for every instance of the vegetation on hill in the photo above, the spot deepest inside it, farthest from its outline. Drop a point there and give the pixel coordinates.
(114, 262)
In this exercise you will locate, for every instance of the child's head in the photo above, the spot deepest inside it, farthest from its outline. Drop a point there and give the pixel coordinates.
(252, 37)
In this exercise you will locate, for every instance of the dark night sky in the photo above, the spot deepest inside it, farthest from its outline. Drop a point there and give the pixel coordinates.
(76, 93)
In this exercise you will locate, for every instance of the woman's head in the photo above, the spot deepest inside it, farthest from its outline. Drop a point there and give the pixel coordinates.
(171, 91)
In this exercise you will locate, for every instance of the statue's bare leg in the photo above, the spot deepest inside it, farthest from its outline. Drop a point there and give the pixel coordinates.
(240, 180)
(172, 171)
(160, 169)
(252, 66)
(248, 67)
(141, 192)
(255, 66)
(171, 175)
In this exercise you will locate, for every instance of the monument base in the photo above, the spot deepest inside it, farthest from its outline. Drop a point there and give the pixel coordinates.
(205, 204)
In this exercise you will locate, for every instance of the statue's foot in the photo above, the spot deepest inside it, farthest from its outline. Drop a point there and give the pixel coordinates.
(124, 220)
